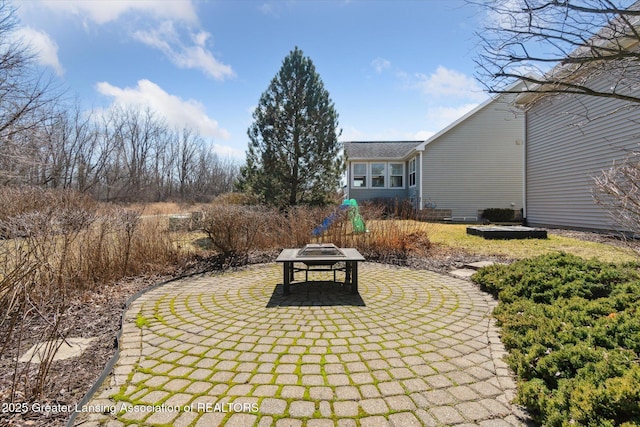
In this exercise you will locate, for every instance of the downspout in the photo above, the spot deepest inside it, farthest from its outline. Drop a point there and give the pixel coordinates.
(420, 182)
(348, 195)
(525, 143)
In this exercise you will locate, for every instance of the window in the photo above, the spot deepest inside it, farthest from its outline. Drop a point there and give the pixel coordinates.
(359, 175)
(378, 174)
(412, 172)
(396, 175)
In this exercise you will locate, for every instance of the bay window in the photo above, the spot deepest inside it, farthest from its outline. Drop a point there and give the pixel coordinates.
(379, 174)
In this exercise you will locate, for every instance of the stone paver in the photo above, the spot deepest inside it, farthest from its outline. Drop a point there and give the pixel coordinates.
(414, 348)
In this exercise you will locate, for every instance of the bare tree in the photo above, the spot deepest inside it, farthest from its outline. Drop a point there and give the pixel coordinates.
(24, 92)
(561, 46)
(188, 143)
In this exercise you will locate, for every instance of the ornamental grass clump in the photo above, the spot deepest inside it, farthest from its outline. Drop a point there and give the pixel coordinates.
(572, 329)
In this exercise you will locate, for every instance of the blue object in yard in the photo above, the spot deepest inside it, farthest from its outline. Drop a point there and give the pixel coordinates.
(354, 215)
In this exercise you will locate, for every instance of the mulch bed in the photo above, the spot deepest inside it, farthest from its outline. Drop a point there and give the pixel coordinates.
(98, 314)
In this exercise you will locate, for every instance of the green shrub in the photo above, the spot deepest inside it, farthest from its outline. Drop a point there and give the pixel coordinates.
(498, 214)
(572, 328)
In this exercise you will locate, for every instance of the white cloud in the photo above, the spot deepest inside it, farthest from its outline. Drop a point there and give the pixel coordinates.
(168, 26)
(423, 135)
(103, 11)
(441, 117)
(449, 83)
(350, 133)
(44, 47)
(226, 151)
(166, 39)
(177, 112)
(269, 8)
(380, 65)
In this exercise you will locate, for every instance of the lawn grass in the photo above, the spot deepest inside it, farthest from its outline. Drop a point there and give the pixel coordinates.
(455, 236)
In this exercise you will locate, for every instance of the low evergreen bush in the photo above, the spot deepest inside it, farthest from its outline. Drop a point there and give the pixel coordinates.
(572, 329)
(498, 214)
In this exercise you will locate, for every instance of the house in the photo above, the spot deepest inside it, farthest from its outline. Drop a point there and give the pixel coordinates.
(572, 138)
(473, 164)
(570, 141)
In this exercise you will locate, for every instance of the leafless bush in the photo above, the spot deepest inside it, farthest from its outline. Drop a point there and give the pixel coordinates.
(233, 229)
(386, 240)
(617, 189)
(296, 225)
(57, 245)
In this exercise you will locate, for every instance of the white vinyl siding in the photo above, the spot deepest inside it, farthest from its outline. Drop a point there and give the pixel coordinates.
(478, 163)
(570, 141)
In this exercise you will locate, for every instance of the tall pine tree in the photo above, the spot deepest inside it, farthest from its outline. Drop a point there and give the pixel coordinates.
(294, 155)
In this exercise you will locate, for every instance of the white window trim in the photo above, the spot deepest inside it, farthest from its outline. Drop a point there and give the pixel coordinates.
(415, 170)
(368, 184)
(402, 174)
(367, 175)
(385, 172)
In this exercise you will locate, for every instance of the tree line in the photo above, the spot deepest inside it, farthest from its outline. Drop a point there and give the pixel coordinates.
(122, 154)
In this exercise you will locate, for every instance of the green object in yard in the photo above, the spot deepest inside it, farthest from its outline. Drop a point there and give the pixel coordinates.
(354, 215)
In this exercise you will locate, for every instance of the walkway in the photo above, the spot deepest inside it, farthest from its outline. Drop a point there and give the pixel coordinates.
(414, 348)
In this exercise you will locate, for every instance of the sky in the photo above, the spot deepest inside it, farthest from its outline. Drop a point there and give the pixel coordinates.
(395, 70)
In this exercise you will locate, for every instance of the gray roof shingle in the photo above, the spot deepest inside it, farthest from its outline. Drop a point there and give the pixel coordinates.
(379, 149)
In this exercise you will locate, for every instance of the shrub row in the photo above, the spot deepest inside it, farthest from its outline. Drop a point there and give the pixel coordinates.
(572, 329)
(237, 230)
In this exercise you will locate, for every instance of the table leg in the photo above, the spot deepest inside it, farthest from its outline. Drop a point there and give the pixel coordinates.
(354, 277)
(287, 273)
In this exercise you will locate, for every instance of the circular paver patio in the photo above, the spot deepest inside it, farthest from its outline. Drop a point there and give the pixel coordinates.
(413, 348)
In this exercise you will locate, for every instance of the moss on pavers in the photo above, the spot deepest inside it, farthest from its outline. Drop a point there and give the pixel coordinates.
(413, 347)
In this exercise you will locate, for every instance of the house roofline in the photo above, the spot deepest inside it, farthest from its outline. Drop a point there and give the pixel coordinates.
(405, 156)
(460, 120)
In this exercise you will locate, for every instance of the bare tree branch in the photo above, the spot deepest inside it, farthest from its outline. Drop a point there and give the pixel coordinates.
(559, 46)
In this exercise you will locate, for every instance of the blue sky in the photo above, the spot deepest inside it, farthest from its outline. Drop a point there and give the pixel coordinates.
(396, 70)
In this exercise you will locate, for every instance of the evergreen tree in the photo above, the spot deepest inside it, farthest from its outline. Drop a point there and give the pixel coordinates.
(294, 155)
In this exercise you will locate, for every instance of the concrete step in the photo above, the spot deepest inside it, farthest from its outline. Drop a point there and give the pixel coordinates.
(463, 273)
(478, 265)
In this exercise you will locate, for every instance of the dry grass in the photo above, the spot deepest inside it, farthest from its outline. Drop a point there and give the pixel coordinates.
(163, 208)
(54, 247)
